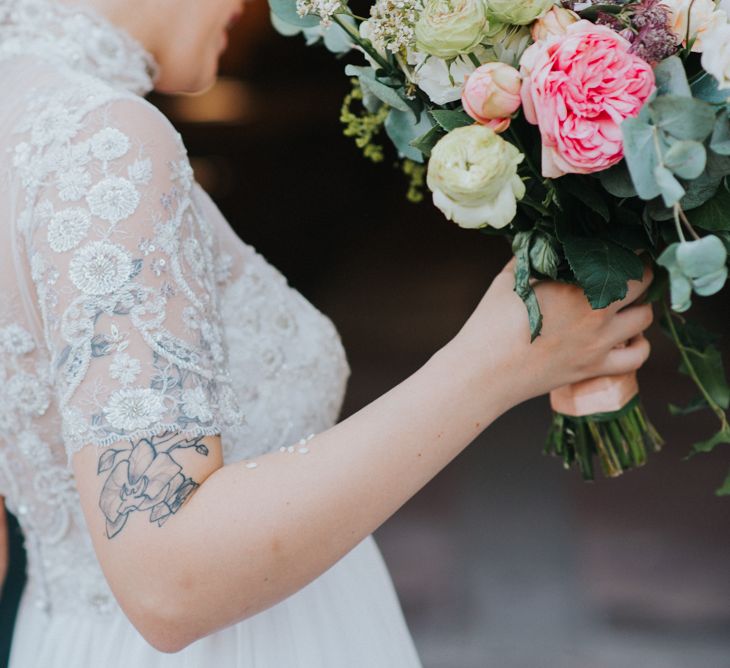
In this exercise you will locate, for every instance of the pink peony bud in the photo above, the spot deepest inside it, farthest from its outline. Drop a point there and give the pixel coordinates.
(555, 22)
(492, 94)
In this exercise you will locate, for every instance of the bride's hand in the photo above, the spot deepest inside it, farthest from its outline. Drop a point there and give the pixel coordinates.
(576, 342)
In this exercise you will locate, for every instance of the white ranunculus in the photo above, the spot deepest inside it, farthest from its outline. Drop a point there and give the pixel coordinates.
(451, 28)
(518, 12)
(473, 176)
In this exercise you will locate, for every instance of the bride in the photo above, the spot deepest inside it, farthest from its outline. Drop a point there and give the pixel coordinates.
(168, 403)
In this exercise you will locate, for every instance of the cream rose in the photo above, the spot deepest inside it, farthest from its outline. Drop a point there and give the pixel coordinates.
(518, 12)
(449, 28)
(472, 174)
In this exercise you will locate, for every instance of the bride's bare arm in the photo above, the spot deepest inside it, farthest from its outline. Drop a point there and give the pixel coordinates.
(4, 542)
(248, 537)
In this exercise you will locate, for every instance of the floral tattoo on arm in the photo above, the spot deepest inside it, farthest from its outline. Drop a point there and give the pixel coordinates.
(145, 477)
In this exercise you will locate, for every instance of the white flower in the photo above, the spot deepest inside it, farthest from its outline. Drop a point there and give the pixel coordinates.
(33, 447)
(716, 56)
(53, 124)
(100, 268)
(73, 184)
(67, 229)
(15, 340)
(113, 199)
(134, 408)
(124, 368)
(699, 17)
(196, 404)
(109, 144)
(440, 82)
(473, 176)
(28, 394)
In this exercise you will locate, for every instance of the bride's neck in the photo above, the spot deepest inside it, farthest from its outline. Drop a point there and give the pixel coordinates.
(140, 18)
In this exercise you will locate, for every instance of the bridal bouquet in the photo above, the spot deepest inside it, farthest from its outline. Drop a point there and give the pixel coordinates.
(590, 135)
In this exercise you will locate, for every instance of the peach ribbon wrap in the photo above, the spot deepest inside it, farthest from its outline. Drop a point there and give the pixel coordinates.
(605, 394)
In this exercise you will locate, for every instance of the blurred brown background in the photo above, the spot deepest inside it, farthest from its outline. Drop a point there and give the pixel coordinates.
(504, 560)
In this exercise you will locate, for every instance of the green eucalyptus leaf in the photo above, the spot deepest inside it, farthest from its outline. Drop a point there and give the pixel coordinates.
(702, 257)
(603, 268)
(683, 117)
(641, 156)
(671, 78)
(713, 215)
(372, 85)
(286, 10)
(402, 129)
(450, 120)
(707, 88)
(685, 158)
(720, 142)
(671, 189)
(668, 258)
(680, 288)
(710, 284)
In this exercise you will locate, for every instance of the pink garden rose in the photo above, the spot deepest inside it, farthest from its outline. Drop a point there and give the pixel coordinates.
(492, 94)
(578, 88)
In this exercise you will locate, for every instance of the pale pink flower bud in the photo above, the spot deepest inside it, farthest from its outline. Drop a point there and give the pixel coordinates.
(555, 22)
(492, 94)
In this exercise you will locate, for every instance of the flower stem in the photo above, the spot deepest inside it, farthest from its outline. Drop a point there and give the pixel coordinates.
(719, 412)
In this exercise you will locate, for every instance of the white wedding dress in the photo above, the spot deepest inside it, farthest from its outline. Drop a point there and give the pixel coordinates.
(129, 307)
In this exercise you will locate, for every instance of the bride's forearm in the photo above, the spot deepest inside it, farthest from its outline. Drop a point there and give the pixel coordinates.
(263, 533)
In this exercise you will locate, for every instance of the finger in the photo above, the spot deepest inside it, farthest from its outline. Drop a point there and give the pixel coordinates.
(627, 359)
(635, 289)
(629, 322)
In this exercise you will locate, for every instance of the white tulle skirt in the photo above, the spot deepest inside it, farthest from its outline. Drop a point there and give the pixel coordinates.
(349, 617)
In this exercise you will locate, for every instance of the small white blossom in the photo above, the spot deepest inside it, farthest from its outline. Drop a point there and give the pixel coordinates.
(16, 340)
(113, 199)
(124, 368)
(391, 24)
(73, 184)
(100, 268)
(325, 9)
(109, 144)
(196, 404)
(67, 229)
(129, 409)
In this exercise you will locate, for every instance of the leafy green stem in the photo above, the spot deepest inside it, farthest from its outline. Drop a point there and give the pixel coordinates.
(365, 44)
(683, 351)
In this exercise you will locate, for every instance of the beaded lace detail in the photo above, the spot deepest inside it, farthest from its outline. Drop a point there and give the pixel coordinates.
(128, 306)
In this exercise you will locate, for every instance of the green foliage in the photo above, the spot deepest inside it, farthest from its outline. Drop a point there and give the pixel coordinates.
(544, 255)
(370, 84)
(402, 128)
(363, 125)
(416, 174)
(450, 120)
(286, 10)
(603, 268)
(427, 141)
(713, 215)
(521, 249)
(694, 265)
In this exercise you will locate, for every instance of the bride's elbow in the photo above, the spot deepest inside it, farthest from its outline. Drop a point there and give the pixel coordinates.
(161, 627)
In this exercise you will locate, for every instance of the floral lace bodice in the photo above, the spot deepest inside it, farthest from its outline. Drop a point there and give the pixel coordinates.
(128, 306)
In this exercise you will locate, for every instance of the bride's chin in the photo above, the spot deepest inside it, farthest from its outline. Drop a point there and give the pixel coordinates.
(188, 82)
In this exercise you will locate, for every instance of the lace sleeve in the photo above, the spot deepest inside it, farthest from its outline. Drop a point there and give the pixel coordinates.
(122, 261)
